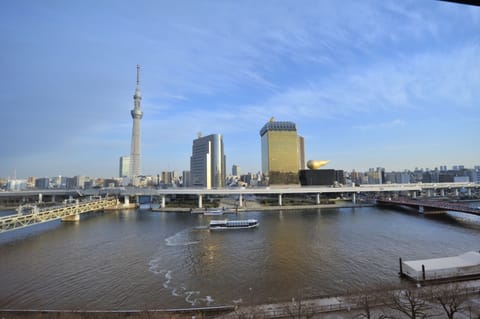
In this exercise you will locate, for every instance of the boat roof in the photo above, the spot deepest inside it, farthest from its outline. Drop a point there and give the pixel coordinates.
(471, 258)
(223, 221)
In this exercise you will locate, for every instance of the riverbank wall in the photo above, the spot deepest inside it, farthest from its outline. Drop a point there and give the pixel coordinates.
(265, 208)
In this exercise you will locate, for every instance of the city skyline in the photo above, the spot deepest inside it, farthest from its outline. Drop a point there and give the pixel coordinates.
(375, 84)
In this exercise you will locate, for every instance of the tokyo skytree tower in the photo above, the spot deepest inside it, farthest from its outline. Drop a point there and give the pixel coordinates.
(137, 114)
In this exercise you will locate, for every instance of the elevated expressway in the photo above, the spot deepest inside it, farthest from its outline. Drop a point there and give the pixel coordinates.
(413, 190)
(410, 190)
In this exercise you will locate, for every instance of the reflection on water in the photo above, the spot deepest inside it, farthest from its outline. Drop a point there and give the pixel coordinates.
(141, 259)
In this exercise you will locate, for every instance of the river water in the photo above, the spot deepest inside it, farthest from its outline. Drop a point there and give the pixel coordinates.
(151, 260)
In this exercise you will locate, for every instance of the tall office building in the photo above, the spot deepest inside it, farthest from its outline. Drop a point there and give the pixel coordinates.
(282, 152)
(236, 170)
(137, 114)
(301, 152)
(207, 163)
(124, 167)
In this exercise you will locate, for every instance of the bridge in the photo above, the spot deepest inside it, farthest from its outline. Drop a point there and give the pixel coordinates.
(429, 206)
(29, 215)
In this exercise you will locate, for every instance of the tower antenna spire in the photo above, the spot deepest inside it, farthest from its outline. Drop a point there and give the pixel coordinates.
(138, 74)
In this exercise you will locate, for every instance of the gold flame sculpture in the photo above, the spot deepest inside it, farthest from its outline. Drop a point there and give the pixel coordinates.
(314, 164)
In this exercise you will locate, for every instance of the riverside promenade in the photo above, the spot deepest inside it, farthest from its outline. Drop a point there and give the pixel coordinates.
(380, 303)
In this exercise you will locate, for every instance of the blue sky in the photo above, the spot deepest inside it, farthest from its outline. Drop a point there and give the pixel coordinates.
(383, 83)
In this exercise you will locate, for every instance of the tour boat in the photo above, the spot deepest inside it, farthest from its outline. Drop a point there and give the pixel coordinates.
(233, 224)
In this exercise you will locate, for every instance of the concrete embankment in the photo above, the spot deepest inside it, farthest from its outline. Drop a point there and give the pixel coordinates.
(264, 208)
(207, 312)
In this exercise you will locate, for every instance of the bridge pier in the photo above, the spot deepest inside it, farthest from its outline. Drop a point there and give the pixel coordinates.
(71, 218)
(354, 199)
(126, 200)
(414, 194)
(199, 201)
(280, 200)
(442, 192)
(53, 198)
(163, 202)
(40, 198)
(469, 192)
(456, 191)
(317, 200)
(240, 200)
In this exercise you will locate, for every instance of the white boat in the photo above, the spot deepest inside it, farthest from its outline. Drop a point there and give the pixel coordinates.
(213, 213)
(233, 224)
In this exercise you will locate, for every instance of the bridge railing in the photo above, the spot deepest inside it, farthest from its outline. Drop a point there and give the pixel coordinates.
(38, 216)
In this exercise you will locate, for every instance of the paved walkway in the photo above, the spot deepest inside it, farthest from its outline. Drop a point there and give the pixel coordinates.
(349, 307)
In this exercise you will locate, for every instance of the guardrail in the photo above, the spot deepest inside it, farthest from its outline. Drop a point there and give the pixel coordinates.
(38, 216)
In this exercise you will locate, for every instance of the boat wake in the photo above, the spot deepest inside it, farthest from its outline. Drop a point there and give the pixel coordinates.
(193, 297)
(182, 238)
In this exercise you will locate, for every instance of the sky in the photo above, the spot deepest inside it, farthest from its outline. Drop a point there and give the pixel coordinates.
(375, 83)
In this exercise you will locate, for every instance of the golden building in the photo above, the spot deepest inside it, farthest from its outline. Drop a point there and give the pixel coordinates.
(282, 152)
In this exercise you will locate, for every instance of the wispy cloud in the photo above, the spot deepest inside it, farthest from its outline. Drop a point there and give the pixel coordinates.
(381, 125)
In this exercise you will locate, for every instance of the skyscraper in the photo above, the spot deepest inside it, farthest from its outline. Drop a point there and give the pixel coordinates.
(207, 163)
(124, 169)
(282, 152)
(137, 114)
(236, 170)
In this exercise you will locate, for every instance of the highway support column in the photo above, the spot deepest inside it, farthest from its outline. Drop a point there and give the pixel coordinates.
(317, 201)
(240, 200)
(163, 201)
(199, 201)
(280, 200)
(354, 199)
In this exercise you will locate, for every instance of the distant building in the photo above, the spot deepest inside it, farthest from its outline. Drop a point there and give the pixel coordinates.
(207, 163)
(461, 179)
(42, 183)
(318, 177)
(236, 170)
(186, 178)
(70, 183)
(16, 184)
(301, 152)
(281, 152)
(124, 167)
(79, 181)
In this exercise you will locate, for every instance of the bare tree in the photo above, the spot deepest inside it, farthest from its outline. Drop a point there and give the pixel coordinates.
(452, 298)
(411, 302)
(369, 303)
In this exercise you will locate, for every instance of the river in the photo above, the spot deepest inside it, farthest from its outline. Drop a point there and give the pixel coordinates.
(152, 260)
